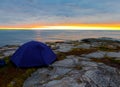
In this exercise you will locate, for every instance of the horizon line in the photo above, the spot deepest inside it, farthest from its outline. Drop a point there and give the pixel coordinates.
(63, 27)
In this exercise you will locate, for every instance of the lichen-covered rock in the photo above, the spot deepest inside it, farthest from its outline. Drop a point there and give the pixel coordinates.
(65, 73)
(103, 77)
(77, 70)
(38, 78)
(64, 82)
(102, 39)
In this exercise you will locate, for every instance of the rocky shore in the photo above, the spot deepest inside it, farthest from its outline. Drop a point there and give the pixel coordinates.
(92, 62)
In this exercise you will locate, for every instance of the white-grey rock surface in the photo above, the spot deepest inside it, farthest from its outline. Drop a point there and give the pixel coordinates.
(65, 73)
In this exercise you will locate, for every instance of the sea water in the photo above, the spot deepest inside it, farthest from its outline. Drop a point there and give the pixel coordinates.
(13, 37)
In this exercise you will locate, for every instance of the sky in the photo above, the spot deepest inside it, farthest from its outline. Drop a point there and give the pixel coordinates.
(40, 13)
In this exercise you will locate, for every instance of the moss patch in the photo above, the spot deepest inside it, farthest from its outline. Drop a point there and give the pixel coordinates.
(61, 56)
(79, 51)
(108, 61)
(75, 52)
(107, 48)
(78, 67)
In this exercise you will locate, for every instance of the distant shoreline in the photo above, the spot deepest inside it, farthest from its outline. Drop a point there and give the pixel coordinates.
(63, 41)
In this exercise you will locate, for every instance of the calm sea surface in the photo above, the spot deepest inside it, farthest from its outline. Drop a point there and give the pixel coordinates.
(9, 37)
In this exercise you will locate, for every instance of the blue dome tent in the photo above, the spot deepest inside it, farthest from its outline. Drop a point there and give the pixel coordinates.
(33, 54)
(2, 62)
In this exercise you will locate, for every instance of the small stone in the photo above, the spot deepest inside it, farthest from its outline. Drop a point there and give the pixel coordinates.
(66, 63)
(88, 63)
(8, 53)
(65, 47)
(98, 54)
(84, 46)
(113, 54)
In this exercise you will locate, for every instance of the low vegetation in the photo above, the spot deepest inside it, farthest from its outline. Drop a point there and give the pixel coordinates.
(74, 51)
(61, 56)
(79, 51)
(11, 76)
(109, 48)
(108, 61)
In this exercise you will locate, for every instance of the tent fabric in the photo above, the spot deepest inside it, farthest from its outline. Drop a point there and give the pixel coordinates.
(33, 54)
(2, 62)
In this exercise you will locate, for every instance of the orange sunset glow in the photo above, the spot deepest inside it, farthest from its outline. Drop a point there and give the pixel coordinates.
(65, 26)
